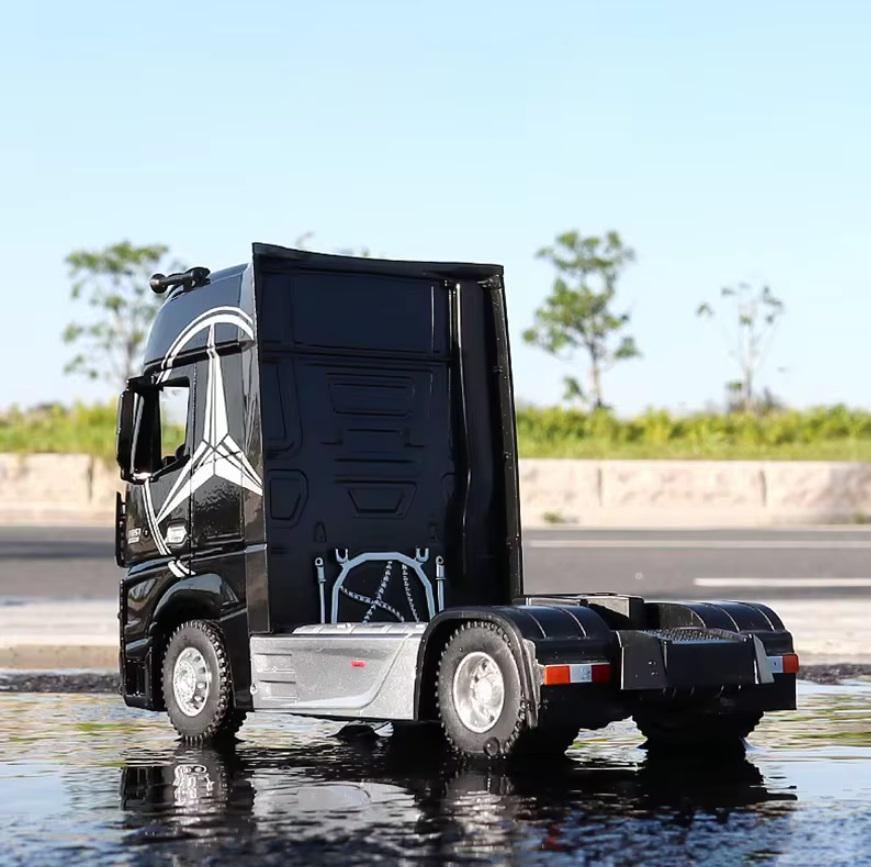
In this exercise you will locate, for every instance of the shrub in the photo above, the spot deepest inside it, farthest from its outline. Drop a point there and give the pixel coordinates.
(825, 433)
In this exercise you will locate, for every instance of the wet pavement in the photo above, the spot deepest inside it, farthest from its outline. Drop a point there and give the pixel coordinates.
(85, 780)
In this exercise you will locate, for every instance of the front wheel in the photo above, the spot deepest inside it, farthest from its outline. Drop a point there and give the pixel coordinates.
(198, 685)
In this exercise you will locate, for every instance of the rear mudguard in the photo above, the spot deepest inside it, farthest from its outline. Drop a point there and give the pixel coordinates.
(752, 621)
(537, 634)
(680, 651)
(633, 612)
(743, 617)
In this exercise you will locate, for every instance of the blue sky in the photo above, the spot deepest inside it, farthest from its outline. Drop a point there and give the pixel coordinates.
(725, 142)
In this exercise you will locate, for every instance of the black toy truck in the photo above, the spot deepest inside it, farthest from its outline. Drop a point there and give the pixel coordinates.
(336, 532)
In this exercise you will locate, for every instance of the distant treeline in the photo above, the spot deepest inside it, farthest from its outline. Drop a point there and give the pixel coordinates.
(823, 433)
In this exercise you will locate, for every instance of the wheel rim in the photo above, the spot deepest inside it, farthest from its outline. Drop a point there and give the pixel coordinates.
(478, 691)
(191, 680)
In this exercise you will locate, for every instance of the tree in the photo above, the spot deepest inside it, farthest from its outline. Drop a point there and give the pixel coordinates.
(577, 315)
(114, 283)
(756, 313)
(301, 242)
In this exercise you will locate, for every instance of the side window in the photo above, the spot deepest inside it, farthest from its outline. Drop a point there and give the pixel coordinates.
(173, 412)
(160, 426)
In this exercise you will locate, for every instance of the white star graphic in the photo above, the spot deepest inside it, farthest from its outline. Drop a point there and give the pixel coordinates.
(217, 454)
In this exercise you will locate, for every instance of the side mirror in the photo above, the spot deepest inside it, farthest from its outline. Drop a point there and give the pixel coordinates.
(124, 434)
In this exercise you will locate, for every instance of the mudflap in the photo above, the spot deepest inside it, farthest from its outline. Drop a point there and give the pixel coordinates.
(688, 657)
(730, 672)
(760, 631)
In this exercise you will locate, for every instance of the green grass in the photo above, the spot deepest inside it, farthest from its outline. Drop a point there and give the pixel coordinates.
(837, 450)
(834, 433)
(53, 428)
(826, 433)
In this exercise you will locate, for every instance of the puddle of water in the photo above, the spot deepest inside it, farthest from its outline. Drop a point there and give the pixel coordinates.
(84, 778)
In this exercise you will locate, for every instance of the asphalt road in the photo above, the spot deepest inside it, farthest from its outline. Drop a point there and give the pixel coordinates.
(722, 564)
(57, 562)
(52, 562)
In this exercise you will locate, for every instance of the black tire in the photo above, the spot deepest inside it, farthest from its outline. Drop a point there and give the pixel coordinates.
(509, 734)
(217, 719)
(689, 730)
(500, 738)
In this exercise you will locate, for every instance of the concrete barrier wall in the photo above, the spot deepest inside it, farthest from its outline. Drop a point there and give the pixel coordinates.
(77, 489)
(693, 493)
(56, 489)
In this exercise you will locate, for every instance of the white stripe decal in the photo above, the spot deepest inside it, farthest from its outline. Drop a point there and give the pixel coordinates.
(152, 521)
(215, 316)
(218, 455)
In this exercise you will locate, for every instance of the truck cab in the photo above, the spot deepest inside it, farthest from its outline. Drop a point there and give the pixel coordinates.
(321, 517)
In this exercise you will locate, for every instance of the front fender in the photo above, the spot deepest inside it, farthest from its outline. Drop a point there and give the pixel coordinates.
(209, 595)
(205, 596)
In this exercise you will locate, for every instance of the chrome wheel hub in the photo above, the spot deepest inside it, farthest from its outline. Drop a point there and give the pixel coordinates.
(478, 691)
(191, 679)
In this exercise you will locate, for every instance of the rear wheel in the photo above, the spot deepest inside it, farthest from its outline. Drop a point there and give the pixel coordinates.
(480, 700)
(198, 685)
(688, 729)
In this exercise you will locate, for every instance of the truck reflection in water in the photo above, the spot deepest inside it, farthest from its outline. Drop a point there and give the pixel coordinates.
(392, 799)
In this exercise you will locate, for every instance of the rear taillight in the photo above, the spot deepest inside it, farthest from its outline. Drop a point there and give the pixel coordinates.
(557, 675)
(601, 672)
(785, 664)
(576, 672)
(790, 663)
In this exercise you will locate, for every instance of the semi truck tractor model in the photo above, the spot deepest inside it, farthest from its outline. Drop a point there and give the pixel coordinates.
(321, 517)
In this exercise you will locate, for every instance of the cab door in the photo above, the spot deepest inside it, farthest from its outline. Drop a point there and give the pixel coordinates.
(222, 471)
(159, 502)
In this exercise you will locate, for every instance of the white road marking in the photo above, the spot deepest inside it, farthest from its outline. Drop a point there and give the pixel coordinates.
(833, 583)
(715, 544)
(774, 530)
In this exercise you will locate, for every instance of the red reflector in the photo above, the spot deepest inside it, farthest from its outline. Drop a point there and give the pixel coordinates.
(601, 673)
(554, 675)
(358, 663)
(790, 663)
